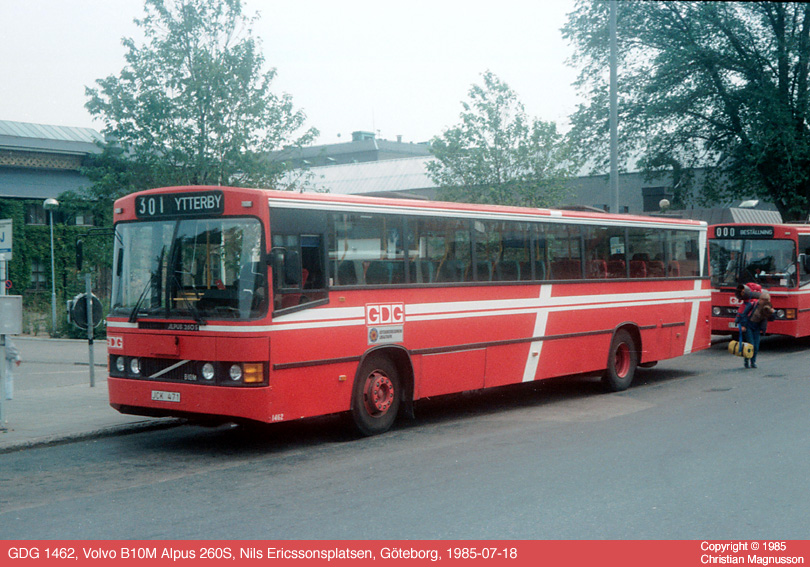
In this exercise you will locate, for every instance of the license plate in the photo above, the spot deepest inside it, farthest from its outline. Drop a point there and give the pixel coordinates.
(160, 396)
(732, 326)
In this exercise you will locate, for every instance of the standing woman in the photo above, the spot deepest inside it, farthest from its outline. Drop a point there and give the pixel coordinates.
(754, 317)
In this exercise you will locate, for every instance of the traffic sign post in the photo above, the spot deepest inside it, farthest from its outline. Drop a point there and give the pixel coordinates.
(6, 233)
(10, 324)
(90, 315)
(88, 290)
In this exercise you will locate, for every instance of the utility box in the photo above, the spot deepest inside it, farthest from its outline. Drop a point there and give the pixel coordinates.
(10, 314)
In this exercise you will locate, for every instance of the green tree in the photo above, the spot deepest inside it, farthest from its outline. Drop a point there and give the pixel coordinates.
(721, 85)
(497, 154)
(192, 106)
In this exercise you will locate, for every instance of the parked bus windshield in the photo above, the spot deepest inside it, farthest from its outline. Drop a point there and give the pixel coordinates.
(766, 262)
(202, 268)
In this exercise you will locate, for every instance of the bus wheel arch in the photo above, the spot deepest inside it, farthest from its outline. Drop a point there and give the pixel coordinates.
(383, 388)
(623, 358)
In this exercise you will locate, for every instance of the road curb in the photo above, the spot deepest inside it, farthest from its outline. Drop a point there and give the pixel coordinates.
(109, 431)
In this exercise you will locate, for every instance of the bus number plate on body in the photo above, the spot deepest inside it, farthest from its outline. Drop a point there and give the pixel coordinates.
(161, 396)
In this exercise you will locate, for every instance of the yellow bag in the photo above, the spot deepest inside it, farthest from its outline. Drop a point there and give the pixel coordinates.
(747, 350)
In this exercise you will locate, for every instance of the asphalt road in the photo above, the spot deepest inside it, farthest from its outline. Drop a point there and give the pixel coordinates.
(699, 448)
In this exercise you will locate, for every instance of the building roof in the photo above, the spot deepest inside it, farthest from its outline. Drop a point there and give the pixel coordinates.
(40, 183)
(374, 177)
(364, 147)
(48, 138)
(368, 144)
(745, 215)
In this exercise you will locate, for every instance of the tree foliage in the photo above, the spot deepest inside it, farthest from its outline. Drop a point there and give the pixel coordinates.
(722, 85)
(497, 154)
(193, 105)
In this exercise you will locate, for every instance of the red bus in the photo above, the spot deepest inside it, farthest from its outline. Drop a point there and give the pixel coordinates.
(245, 304)
(776, 256)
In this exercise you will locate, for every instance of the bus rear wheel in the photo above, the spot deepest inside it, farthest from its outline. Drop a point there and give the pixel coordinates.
(377, 396)
(622, 362)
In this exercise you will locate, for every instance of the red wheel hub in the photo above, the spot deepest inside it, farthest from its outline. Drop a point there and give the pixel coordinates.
(378, 393)
(622, 360)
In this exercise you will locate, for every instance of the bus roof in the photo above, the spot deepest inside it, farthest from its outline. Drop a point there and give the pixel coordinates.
(419, 206)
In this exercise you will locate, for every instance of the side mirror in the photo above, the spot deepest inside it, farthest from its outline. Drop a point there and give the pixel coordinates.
(292, 270)
(286, 266)
(805, 262)
(276, 259)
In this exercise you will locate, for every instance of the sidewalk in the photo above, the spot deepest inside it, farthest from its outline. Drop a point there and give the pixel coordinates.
(53, 401)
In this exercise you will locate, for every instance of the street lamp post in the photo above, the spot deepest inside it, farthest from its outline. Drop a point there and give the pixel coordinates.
(51, 205)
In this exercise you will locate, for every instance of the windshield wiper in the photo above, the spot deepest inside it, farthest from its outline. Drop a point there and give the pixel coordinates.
(133, 317)
(192, 308)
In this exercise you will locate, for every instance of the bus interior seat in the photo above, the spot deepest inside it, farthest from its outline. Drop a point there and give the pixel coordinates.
(508, 271)
(638, 269)
(617, 268)
(347, 273)
(566, 269)
(597, 269)
(379, 272)
(422, 271)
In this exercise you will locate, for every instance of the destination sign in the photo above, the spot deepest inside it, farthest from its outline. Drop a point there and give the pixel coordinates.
(737, 232)
(205, 203)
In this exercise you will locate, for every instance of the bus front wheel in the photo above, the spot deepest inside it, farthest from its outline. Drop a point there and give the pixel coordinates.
(376, 397)
(622, 362)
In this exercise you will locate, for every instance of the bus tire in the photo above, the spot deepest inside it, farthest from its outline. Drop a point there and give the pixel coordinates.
(376, 397)
(622, 362)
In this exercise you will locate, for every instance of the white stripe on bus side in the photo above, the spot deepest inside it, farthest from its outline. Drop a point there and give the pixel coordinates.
(350, 317)
(693, 321)
(533, 357)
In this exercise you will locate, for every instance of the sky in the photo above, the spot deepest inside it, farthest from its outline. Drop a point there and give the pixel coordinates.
(393, 68)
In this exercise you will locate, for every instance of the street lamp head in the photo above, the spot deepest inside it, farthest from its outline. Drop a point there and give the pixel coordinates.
(50, 204)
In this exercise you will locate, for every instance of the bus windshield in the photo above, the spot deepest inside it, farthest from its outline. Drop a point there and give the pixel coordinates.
(767, 262)
(192, 268)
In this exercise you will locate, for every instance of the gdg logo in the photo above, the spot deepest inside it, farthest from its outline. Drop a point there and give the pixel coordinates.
(385, 314)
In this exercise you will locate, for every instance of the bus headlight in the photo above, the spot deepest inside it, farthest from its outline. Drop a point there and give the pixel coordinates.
(208, 371)
(235, 372)
(789, 313)
(716, 311)
(135, 366)
(120, 364)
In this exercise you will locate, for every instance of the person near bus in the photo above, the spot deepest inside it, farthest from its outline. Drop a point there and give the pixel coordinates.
(752, 318)
(12, 358)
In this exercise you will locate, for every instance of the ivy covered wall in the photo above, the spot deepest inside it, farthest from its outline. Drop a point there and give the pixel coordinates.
(32, 243)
